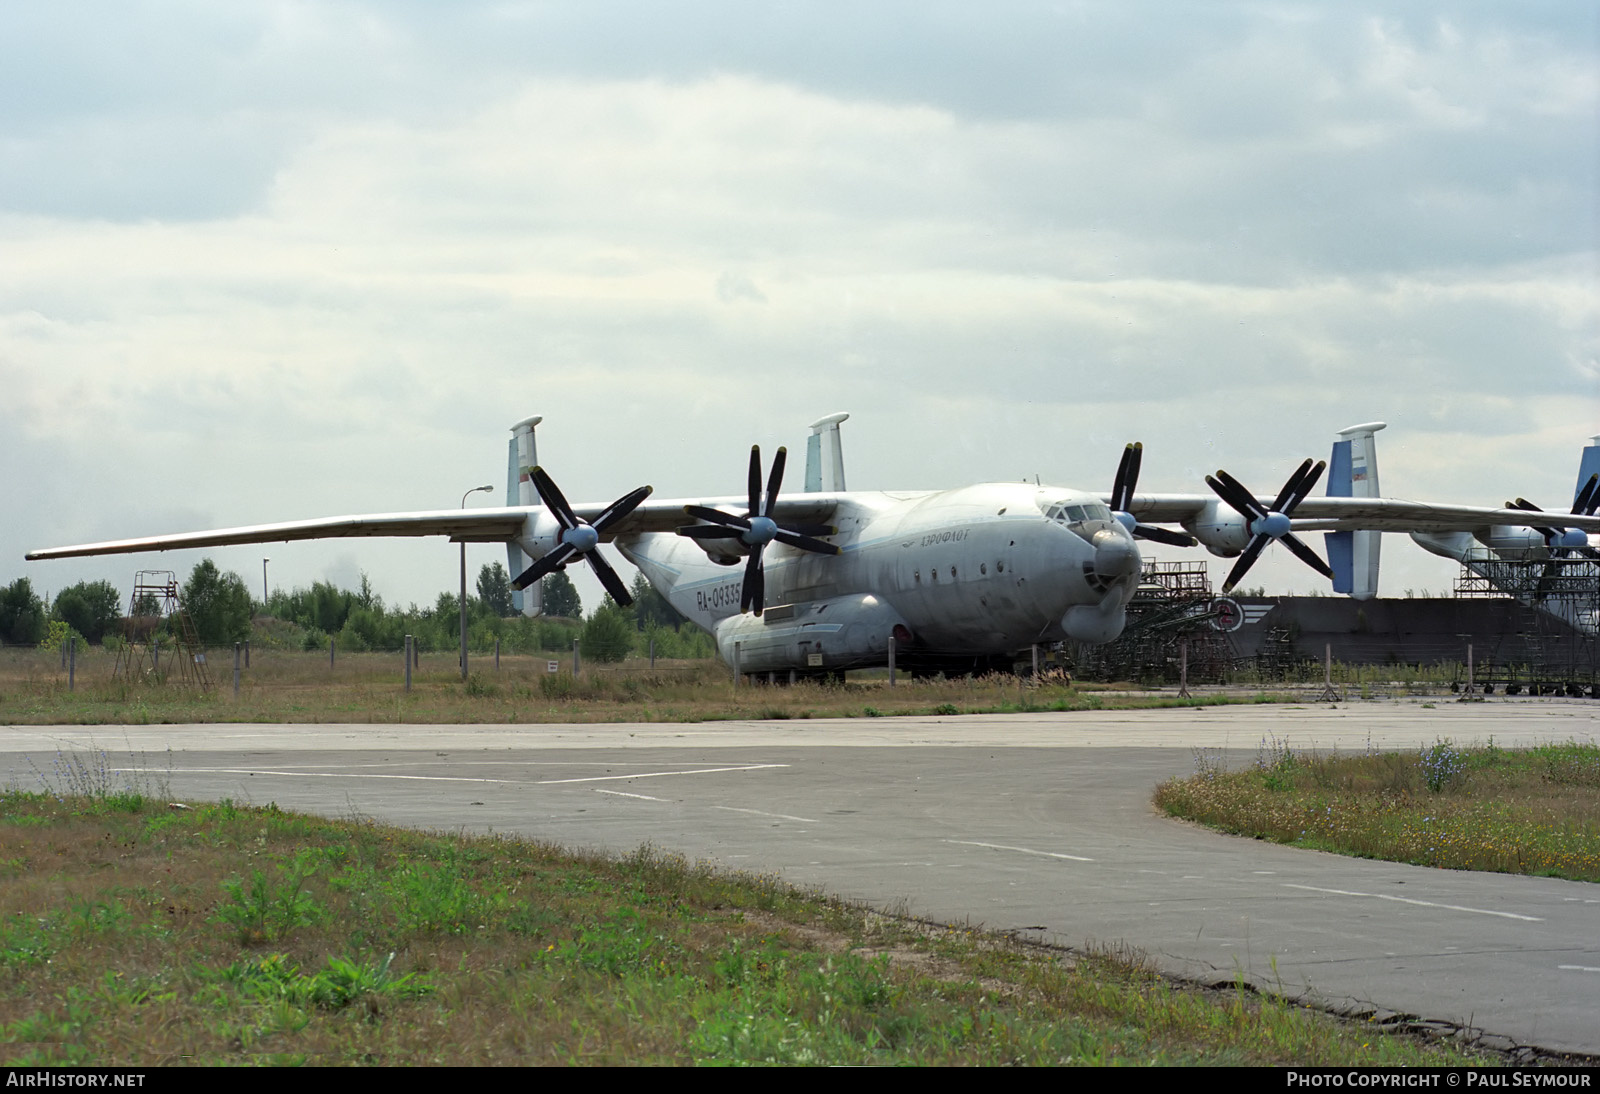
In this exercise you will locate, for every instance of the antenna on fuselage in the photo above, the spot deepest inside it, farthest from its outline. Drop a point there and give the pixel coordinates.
(814, 477)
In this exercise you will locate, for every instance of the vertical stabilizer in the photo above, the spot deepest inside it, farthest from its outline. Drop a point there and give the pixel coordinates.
(521, 458)
(819, 478)
(814, 464)
(1353, 473)
(1589, 465)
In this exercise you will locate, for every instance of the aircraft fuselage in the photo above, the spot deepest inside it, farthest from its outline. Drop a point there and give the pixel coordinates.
(979, 572)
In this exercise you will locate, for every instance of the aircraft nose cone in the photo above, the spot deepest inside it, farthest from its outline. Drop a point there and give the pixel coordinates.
(1114, 555)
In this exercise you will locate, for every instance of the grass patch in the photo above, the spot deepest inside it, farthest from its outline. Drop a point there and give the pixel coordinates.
(290, 686)
(1534, 811)
(226, 934)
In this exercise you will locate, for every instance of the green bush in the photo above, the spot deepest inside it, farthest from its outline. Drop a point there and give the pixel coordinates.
(90, 607)
(608, 636)
(219, 604)
(22, 617)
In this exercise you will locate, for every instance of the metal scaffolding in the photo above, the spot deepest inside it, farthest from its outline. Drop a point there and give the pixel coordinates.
(1559, 653)
(1171, 617)
(156, 614)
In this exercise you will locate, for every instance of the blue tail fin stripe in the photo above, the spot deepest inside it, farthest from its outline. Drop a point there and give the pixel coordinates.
(1339, 477)
(1589, 465)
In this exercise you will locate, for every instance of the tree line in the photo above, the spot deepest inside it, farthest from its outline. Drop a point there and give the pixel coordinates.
(223, 612)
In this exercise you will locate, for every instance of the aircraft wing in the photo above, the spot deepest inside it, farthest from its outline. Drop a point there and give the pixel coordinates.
(472, 525)
(667, 515)
(461, 525)
(1361, 514)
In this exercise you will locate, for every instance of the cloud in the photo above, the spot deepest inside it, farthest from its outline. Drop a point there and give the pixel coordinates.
(1008, 241)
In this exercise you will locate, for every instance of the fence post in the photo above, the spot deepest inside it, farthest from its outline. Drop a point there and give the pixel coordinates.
(330, 651)
(247, 653)
(1330, 694)
(891, 660)
(410, 651)
(652, 654)
(736, 646)
(1469, 668)
(497, 653)
(1183, 668)
(575, 657)
(71, 650)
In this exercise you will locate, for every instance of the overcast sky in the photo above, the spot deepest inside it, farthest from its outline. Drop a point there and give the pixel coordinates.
(264, 261)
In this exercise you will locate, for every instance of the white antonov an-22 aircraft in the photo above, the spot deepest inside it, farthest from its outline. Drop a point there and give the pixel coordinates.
(818, 580)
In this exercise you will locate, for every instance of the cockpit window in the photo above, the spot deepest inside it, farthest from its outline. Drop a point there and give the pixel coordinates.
(1077, 514)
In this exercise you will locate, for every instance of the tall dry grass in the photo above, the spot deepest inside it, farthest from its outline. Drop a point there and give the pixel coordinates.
(291, 686)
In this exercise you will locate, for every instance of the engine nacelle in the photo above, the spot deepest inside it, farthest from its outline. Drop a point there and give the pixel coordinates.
(832, 635)
(724, 552)
(540, 534)
(1220, 529)
(1505, 538)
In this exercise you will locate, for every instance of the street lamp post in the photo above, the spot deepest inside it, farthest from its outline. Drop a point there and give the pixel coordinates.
(264, 583)
(474, 490)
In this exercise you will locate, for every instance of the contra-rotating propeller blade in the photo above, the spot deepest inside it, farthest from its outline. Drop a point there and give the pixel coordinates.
(1584, 504)
(1552, 536)
(757, 528)
(1268, 523)
(1122, 498)
(1528, 506)
(579, 539)
(1563, 542)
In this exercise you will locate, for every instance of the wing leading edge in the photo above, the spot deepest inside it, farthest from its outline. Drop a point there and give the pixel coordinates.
(469, 525)
(461, 525)
(1358, 514)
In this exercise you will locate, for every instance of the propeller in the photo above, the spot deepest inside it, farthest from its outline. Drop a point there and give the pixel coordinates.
(1272, 522)
(1584, 505)
(757, 528)
(579, 538)
(1563, 541)
(1122, 498)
